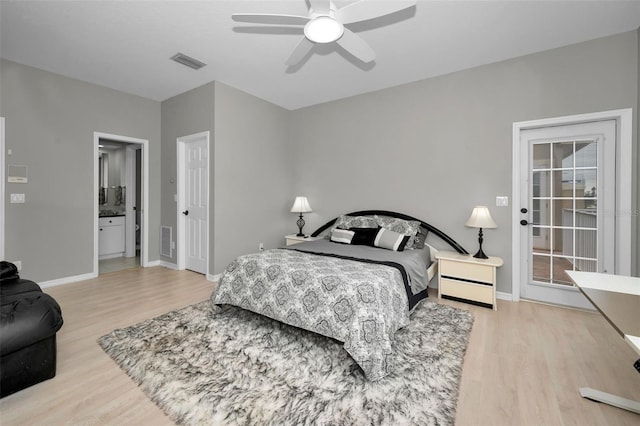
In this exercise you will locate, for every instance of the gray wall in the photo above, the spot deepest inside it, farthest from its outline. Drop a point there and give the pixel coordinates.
(50, 122)
(250, 185)
(438, 147)
(636, 173)
(183, 115)
(253, 176)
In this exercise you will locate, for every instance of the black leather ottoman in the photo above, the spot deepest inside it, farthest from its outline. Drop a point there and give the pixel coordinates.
(29, 320)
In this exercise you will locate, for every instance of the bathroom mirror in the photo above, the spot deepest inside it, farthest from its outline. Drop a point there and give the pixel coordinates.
(103, 173)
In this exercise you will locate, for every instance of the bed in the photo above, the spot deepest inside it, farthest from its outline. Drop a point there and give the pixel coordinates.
(357, 285)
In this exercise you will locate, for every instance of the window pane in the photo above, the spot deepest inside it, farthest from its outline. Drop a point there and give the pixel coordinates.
(562, 155)
(586, 183)
(542, 268)
(586, 217)
(586, 154)
(540, 242)
(541, 156)
(563, 183)
(562, 212)
(541, 184)
(540, 213)
(586, 244)
(562, 242)
(560, 266)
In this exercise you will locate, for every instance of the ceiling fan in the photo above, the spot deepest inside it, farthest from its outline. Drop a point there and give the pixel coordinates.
(325, 23)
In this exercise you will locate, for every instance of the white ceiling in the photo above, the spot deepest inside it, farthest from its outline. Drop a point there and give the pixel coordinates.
(125, 45)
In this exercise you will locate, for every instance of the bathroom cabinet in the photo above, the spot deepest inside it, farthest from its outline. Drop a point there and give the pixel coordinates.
(111, 236)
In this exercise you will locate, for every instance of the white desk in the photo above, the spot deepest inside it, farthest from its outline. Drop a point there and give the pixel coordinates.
(617, 298)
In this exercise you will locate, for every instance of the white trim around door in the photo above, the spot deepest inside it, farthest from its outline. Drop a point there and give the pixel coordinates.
(623, 209)
(181, 160)
(144, 240)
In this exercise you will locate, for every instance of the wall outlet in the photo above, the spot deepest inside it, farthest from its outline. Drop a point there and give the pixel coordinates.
(261, 246)
(18, 264)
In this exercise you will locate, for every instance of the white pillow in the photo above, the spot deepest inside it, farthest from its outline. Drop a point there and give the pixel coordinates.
(343, 236)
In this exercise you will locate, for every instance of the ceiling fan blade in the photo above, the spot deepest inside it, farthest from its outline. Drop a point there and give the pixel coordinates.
(320, 7)
(355, 45)
(363, 10)
(266, 18)
(299, 52)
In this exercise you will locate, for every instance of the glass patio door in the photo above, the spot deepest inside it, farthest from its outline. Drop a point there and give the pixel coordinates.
(568, 176)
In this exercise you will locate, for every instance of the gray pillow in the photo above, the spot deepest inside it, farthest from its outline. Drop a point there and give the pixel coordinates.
(346, 222)
(390, 240)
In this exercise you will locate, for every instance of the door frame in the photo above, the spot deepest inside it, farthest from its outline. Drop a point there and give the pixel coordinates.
(144, 242)
(624, 197)
(181, 144)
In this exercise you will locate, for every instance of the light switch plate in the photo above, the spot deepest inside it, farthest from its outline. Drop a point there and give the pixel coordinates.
(17, 198)
(502, 201)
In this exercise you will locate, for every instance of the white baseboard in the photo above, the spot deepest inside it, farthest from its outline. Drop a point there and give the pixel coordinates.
(504, 296)
(152, 264)
(67, 280)
(168, 265)
(213, 278)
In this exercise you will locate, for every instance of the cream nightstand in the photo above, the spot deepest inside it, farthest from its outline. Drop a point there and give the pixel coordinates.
(294, 239)
(463, 277)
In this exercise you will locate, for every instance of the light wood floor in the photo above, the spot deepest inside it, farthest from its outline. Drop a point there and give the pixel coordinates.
(524, 363)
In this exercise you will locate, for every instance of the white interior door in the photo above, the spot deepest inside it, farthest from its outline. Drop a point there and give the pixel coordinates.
(195, 202)
(567, 185)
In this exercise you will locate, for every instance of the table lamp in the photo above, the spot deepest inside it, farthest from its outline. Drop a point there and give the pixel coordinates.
(480, 218)
(300, 205)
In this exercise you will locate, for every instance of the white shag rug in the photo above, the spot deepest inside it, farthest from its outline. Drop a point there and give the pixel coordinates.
(238, 368)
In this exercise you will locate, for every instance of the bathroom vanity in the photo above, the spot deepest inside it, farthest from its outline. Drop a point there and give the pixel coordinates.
(111, 232)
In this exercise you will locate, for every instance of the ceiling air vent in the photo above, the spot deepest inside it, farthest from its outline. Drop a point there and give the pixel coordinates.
(188, 61)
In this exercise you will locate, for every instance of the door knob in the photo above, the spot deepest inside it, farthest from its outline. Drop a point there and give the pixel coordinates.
(523, 210)
(186, 212)
(524, 222)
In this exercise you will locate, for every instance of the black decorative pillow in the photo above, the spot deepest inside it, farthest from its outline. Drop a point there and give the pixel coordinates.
(364, 236)
(390, 240)
(343, 236)
(401, 226)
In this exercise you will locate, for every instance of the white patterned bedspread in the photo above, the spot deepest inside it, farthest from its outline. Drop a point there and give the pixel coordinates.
(360, 304)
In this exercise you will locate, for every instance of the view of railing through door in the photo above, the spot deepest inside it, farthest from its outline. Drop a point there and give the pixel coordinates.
(564, 179)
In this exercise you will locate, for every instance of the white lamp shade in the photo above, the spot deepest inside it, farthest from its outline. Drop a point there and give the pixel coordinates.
(301, 205)
(481, 218)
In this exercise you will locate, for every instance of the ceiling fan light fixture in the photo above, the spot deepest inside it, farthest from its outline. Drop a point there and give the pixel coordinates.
(323, 29)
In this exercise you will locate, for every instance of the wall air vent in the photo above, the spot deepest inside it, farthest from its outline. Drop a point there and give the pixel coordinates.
(166, 237)
(188, 61)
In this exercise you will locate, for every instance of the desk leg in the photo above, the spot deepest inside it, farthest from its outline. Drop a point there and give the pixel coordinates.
(607, 398)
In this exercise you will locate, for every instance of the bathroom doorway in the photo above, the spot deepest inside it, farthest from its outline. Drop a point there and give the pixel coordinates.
(121, 182)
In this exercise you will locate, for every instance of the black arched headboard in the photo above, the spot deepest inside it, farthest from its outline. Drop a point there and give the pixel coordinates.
(447, 239)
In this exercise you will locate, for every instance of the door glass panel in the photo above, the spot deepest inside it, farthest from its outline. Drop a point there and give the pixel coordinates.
(541, 211)
(586, 154)
(562, 155)
(542, 269)
(562, 183)
(541, 184)
(560, 267)
(542, 156)
(586, 182)
(564, 210)
(586, 213)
